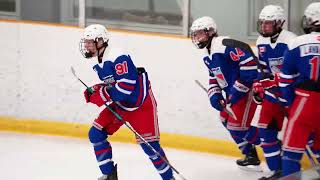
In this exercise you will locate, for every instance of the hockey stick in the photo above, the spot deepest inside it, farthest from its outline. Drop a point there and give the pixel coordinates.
(239, 44)
(308, 152)
(230, 113)
(131, 128)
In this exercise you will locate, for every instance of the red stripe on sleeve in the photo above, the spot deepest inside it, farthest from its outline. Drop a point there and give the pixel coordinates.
(126, 86)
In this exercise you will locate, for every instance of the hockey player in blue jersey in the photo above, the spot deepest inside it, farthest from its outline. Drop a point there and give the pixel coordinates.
(300, 87)
(233, 71)
(272, 43)
(127, 90)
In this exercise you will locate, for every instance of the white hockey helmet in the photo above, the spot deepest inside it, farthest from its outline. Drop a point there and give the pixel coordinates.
(272, 16)
(95, 32)
(205, 25)
(272, 13)
(311, 18)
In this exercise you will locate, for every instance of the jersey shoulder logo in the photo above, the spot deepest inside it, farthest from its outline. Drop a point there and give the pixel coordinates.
(220, 77)
(235, 56)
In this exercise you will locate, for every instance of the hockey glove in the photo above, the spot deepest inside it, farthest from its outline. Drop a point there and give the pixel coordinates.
(216, 99)
(269, 83)
(99, 96)
(262, 85)
(258, 92)
(237, 91)
(87, 93)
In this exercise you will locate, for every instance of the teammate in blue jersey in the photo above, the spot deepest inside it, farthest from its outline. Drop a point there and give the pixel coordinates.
(127, 90)
(233, 71)
(300, 87)
(272, 43)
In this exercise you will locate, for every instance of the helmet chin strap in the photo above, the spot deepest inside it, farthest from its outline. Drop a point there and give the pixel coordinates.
(275, 36)
(100, 53)
(209, 44)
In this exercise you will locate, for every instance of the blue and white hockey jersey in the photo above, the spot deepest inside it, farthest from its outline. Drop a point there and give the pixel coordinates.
(228, 67)
(301, 65)
(128, 87)
(271, 57)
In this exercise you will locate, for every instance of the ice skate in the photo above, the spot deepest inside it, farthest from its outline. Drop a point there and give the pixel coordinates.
(112, 176)
(274, 176)
(250, 162)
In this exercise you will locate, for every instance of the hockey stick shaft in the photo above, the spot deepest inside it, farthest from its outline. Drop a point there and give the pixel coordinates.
(75, 75)
(309, 152)
(225, 108)
(132, 129)
(313, 162)
(239, 44)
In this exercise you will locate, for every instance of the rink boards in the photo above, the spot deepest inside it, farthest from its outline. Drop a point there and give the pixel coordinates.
(178, 141)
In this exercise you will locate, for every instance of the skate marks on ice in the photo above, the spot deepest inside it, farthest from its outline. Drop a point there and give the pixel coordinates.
(308, 174)
(25, 156)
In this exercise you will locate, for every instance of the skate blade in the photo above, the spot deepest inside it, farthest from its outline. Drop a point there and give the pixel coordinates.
(251, 168)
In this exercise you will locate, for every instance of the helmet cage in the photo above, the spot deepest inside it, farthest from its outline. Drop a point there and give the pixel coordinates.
(308, 25)
(87, 54)
(276, 27)
(209, 33)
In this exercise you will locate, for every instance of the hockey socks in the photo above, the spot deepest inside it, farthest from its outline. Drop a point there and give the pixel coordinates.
(162, 167)
(252, 135)
(271, 148)
(245, 139)
(290, 162)
(102, 149)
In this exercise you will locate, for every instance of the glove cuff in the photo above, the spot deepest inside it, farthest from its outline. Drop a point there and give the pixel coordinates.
(213, 91)
(104, 94)
(240, 87)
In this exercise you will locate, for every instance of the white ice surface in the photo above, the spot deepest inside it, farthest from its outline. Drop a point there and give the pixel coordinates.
(34, 157)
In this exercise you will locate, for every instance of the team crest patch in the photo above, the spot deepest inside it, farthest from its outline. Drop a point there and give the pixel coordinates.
(275, 64)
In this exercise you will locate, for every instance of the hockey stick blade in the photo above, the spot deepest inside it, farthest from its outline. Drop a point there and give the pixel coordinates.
(244, 46)
(74, 72)
(238, 44)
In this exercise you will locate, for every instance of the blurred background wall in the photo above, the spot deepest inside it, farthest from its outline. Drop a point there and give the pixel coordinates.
(234, 18)
(36, 58)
